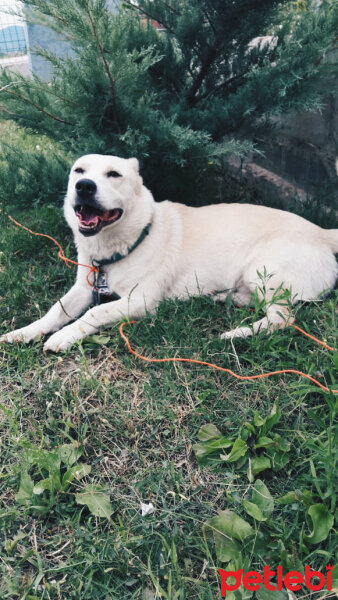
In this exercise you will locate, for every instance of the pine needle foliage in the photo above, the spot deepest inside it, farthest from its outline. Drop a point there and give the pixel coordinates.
(171, 96)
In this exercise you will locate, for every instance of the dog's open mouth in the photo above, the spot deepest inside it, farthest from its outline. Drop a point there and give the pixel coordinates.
(92, 219)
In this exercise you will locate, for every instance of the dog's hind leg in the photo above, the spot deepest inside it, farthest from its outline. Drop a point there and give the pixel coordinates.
(276, 301)
(240, 295)
(277, 317)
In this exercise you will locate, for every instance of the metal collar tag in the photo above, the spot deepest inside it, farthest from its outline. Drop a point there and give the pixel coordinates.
(101, 291)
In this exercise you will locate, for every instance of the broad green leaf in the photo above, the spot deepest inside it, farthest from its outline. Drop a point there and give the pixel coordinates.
(258, 464)
(250, 427)
(272, 419)
(253, 510)
(238, 450)
(25, 492)
(55, 481)
(45, 459)
(208, 432)
(322, 522)
(231, 525)
(49, 461)
(289, 498)
(75, 472)
(41, 486)
(204, 449)
(204, 455)
(216, 444)
(226, 549)
(241, 462)
(70, 453)
(262, 498)
(281, 443)
(296, 496)
(268, 422)
(258, 420)
(27, 497)
(96, 499)
(244, 433)
(263, 442)
(278, 459)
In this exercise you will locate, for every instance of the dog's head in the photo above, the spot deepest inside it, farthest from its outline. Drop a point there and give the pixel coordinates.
(100, 191)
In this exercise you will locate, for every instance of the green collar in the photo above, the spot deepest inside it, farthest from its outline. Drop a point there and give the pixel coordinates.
(116, 257)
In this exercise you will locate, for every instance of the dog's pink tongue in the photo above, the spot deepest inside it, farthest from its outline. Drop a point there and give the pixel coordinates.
(89, 219)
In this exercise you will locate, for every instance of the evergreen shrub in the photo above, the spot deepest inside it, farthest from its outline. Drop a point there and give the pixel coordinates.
(177, 97)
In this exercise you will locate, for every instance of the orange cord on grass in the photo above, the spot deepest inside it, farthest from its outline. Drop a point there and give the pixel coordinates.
(61, 253)
(217, 367)
(312, 337)
(92, 269)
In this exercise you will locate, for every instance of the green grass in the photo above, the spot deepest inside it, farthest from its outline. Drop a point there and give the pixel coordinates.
(135, 425)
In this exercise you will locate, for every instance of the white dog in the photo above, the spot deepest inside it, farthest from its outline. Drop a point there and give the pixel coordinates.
(146, 251)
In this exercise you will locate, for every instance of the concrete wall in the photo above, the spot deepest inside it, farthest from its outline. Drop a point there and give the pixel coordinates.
(48, 40)
(14, 46)
(19, 64)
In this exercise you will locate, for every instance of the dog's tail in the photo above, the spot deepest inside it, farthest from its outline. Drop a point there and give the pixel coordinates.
(331, 237)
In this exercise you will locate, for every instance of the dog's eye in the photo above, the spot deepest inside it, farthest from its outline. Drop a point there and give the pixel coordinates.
(79, 170)
(113, 174)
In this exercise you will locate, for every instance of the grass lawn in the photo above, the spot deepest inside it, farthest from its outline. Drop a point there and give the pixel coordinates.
(89, 435)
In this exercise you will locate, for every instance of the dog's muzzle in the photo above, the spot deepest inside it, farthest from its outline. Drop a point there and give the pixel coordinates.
(92, 217)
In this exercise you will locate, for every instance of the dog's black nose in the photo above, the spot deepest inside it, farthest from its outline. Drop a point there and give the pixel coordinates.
(85, 188)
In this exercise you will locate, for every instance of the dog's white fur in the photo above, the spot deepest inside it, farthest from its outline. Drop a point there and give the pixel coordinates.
(188, 252)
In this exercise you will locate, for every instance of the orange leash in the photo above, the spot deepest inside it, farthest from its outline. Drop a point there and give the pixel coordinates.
(92, 269)
(312, 337)
(61, 252)
(216, 367)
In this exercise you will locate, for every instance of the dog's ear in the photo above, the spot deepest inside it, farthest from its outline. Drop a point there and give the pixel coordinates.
(134, 163)
(139, 181)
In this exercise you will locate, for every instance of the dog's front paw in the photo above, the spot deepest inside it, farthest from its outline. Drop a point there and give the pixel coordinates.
(239, 332)
(63, 339)
(25, 334)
